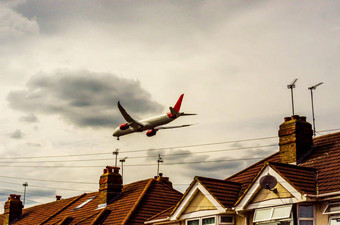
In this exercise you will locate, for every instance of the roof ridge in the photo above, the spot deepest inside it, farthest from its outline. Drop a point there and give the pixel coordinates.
(242, 171)
(216, 179)
(294, 166)
(167, 186)
(138, 200)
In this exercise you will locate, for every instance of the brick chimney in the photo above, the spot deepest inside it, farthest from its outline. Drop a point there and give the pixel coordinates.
(13, 209)
(110, 184)
(296, 139)
(164, 180)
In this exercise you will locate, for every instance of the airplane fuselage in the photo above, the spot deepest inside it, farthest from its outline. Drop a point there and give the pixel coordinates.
(148, 124)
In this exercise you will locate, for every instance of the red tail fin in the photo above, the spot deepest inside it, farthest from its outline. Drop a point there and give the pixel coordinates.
(177, 107)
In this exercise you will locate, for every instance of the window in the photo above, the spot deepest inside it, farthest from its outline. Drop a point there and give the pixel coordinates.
(334, 220)
(227, 219)
(193, 222)
(84, 203)
(333, 208)
(207, 221)
(279, 213)
(306, 214)
(202, 221)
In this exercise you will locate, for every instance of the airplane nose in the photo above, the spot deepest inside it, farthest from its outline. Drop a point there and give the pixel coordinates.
(115, 132)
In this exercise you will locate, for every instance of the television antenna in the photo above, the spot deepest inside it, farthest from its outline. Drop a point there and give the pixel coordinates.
(122, 161)
(25, 186)
(311, 95)
(291, 87)
(116, 153)
(159, 160)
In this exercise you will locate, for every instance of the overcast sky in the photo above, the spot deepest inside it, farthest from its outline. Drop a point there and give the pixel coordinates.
(65, 64)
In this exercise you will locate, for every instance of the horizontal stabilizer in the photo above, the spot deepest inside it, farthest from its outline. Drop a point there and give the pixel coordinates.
(188, 114)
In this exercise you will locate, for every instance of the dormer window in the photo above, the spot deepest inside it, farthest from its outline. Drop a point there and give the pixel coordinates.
(84, 203)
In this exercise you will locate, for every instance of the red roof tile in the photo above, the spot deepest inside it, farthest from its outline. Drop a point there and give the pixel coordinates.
(225, 192)
(137, 202)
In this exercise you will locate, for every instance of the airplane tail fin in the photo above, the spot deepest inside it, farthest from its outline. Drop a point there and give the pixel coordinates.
(177, 106)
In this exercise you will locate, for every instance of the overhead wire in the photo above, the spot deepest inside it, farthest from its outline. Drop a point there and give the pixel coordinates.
(163, 155)
(142, 150)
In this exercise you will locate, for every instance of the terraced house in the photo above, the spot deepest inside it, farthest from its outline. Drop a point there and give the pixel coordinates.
(113, 204)
(298, 185)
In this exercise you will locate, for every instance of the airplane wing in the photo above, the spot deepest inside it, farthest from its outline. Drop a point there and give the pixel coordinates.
(133, 123)
(172, 127)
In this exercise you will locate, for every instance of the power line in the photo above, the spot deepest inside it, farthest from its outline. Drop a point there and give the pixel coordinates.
(153, 164)
(44, 187)
(135, 157)
(143, 150)
(58, 181)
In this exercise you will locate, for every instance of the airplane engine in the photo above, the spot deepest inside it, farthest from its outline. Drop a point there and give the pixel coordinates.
(124, 126)
(151, 133)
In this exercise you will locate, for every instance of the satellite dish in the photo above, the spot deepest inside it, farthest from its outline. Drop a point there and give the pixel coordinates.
(268, 182)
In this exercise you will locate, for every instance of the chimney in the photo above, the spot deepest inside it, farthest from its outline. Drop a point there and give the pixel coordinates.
(58, 197)
(13, 209)
(295, 139)
(110, 185)
(164, 180)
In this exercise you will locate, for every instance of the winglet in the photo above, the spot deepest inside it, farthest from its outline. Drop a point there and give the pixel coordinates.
(177, 107)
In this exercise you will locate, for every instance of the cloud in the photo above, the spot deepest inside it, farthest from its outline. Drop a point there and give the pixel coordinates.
(84, 98)
(17, 134)
(14, 24)
(30, 118)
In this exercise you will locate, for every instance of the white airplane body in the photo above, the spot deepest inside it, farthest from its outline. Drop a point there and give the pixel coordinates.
(152, 125)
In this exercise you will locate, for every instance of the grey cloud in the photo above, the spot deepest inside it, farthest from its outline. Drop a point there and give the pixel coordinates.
(203, 167)
(14, 24)
(30, 118)
(83, 98)
(17, 134)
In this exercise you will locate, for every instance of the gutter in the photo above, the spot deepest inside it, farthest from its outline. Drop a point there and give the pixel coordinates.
(322, 195)
(156, 221)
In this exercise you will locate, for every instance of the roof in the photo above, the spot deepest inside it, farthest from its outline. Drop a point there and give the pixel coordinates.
(318, 173)
(326, 159)
(137, 202)
(225, 192)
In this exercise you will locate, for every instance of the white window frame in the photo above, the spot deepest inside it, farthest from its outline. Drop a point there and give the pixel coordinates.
(200, 220)
(272, 212)
(330, 204)
(226, 223)
(333, 217)
(306, 218)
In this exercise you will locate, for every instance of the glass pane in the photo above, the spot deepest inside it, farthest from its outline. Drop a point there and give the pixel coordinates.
(282, 212)
(333, 208)
(306, 222)
(306, 211)
(262, 214)
(226, 219)
(193, 222)
(208, 221)
(335, 221)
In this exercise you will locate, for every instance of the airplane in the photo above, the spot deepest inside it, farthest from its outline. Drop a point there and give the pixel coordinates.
(151, 125)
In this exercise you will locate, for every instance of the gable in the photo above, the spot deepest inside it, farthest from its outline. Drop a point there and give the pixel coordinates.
(198, 203)
(255, 196)
(264, 194)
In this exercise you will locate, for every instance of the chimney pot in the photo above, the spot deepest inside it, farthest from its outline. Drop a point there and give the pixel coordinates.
(295, 117)
(58, 197)
(287, 119)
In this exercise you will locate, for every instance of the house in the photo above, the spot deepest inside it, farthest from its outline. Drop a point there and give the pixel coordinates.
(112, 204)
(298, 185)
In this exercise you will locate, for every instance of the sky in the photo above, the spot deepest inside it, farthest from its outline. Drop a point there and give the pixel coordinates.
(64, 65)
